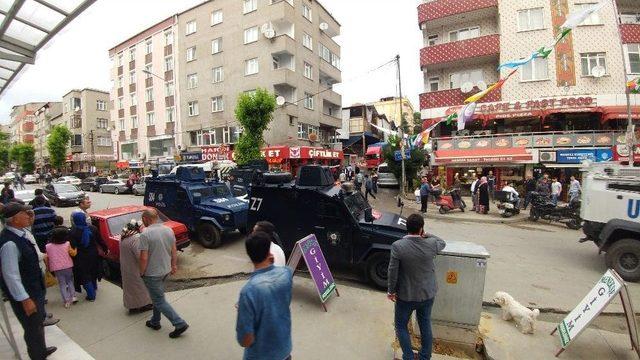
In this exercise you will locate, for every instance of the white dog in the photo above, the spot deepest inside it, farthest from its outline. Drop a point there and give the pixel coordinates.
(511, 309)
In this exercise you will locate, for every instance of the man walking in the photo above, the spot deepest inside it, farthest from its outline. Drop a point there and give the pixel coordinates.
(556, 190)
(22, 280)
(7, 193)
(474, 192)
(263, 325)
(425, 188)
(530, 188)
(368, 187)
(574, 188)
(491, 182)
(43, 223)
(39, 194)
(158, 259)
(412, 284)
(83, 206)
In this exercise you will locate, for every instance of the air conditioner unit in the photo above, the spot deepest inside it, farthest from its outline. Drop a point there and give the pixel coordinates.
(547, 156)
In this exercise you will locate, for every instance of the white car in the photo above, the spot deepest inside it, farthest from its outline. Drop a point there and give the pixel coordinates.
(386, 177)
(26, 195)
(30, 179)
(10, 176)
(68, 180)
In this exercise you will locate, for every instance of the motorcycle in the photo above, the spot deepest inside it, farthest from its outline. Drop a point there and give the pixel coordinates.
(450, 200)
(508, 204)
(543, 208)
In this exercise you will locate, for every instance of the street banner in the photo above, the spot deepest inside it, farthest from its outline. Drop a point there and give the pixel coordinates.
(592, 305)
(309, 250)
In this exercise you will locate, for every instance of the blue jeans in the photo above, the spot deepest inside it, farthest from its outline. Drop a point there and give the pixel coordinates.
(403, 311)
(554, 199)
(155, 286)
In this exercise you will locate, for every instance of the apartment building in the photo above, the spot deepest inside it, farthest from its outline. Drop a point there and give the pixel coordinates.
(551, 115)
(390, 107)
(44, 116)
(22, 124)
(357, 132)
(86, 114)
(206, 56)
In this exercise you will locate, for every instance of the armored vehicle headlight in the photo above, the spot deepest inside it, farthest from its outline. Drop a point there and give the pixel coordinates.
(227, 217)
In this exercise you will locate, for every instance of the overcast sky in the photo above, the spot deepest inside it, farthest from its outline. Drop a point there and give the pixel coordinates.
(373, 32)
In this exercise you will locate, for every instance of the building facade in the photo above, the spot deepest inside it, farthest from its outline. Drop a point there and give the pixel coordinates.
(44, 117)
(22, 124)
(86, 114)
(390, 107)
(553, 113)
(357, 132)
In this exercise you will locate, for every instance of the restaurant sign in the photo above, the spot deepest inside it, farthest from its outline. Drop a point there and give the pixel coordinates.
(562, 103)
(213, 153)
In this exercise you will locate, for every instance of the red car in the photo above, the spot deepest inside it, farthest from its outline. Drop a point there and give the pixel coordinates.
(111, 221)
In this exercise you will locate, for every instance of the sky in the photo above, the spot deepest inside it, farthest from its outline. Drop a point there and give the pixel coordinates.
(373, 33)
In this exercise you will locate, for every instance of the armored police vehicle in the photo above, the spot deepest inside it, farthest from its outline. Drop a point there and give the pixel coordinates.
(206, 207)
(348, 229)
(611, 213)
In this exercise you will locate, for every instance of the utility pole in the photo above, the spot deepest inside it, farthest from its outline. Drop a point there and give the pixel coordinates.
(403, 190)
(93, 150)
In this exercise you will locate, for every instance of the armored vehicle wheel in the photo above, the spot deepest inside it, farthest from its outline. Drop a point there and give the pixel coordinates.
(624, 257)
(377, 268)
(574, 224)
(209, 236)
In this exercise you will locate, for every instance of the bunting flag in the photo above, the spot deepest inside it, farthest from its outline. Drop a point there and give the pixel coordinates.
(634, 86)
(466, 115)
(386, 131)
(477, 97)
(577, 18)
(543, 53)
(449, 119)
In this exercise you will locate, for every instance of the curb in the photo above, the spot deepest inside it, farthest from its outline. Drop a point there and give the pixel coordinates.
(490, 220)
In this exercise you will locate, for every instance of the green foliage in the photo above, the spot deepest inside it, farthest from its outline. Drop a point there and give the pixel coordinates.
(4, 150)
(411, 166)
(417, 122)
(404, 125)
(57, 144)
(254, 113)
(25, 156)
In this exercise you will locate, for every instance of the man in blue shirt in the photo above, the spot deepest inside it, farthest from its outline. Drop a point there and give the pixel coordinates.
(43, 223)
(263, 326)
(424, 194)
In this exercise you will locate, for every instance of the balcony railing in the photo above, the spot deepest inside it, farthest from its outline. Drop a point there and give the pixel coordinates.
(453, 97)
(439, 9)
(480, 48)
(535, 140)
(630, 33)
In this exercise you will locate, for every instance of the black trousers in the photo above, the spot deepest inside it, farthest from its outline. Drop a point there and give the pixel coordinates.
(33, 328)
(424, 201)
(367, 193)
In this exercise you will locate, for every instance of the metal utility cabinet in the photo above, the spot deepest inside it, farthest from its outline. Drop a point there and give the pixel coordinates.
(460, 271)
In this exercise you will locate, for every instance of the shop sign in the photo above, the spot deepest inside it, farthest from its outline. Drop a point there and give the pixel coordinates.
(398, 155)
(604, 155)
(212, 153)
(319, 153)
(540, 104)
(135, 164)
(191, 156)
(621, 153)
(575, 156)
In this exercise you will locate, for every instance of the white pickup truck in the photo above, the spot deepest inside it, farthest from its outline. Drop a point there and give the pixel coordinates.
(611, 213)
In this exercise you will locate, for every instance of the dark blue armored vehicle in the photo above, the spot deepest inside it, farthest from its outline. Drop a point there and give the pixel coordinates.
(206, 207)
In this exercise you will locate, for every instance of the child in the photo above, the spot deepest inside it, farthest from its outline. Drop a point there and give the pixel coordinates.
(59, 252)
(59, 220)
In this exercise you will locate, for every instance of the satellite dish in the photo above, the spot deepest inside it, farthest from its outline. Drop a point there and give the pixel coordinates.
(324, 26)
(280, 100)
(598, 71)
(265, 27)
(482, 85)
(269, 33)
(466, 87)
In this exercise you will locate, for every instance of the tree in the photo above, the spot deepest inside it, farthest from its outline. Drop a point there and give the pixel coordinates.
(404, 124)
(412, 165)
(25, 156)
(57, 145)
(417, 122)
(254, 113)
(4, 150)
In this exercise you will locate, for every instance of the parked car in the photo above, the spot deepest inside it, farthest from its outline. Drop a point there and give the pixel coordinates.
(93, 183)
(25, 195)
(115, 186)
(68, 180)
(30, 179)
(140, 186)
(10, 177)
(61, 194)
(386, 177)
(110, 223)
(81, 175)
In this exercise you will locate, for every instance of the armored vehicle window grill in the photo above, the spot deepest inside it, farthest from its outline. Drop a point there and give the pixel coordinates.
(624, 187)
(633, 172)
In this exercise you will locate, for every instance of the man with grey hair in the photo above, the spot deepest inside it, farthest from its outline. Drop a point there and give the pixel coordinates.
(22, 281)
(83, 206)
(158, 259)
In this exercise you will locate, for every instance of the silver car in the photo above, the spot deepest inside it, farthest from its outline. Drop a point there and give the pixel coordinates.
(117, 186)
(385, 177)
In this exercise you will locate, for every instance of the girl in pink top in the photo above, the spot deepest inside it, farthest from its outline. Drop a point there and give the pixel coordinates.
(59, 252)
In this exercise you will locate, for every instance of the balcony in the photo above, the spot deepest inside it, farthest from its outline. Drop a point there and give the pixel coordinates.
(28, 126)
(453, 97)
(630, 33)
(432, 14)
(466, 52)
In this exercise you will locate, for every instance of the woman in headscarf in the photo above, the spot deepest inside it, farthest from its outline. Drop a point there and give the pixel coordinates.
(87, 263)
(134, 293)
(483, 195)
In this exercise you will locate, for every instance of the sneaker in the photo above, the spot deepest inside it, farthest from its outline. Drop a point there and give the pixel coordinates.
(153, 326)
(74, 300)
(50, 350)
(67, 305)
(178, 331)
(50, 322)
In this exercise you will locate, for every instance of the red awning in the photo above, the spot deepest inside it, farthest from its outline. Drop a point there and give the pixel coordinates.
(122, 164)
(619, 113)
(277, 154)
(483, 156)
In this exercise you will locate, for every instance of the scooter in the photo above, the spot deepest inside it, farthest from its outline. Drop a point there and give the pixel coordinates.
(543, 208)
(448, 201)
(508, 204)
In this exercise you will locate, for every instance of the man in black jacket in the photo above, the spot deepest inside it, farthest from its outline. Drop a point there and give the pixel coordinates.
(529, 187)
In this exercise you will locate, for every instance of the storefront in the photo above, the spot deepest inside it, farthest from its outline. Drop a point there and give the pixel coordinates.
(217, 153)
(285, 158)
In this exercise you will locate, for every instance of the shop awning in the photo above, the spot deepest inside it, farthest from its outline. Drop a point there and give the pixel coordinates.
(483, 156)
(369, 139)
(619, 113)
(277, 154)
(122, 164)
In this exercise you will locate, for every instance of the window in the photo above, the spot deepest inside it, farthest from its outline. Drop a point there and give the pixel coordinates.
(216, 17)
(217, 104)
(148, 95)
(308, 101)
(216, 46)
(634, 58)
(104, 141)
(191, 53)
(132, 77)
(192, 107)
(148, 46)
(306, 12)
(169, 89)
(307, 41)
(434, 84)
(329, 57)
(231, 135)
(630, 18)
(77, 140)
(132, 53)
(147, 72)
(133, 99)
(276, 62)
(251, 35)
(134, 122)
(170, 114)
(168, 37)
(101, 105)
(121, 124)
(308, 71)
(593, 19)
(192, 81)
(102, 123)
(218, 74)
(304, 130)
(457, 79)
(120, 103)
(120, 81)
(251, 66)
(537, 69)
(530, 19)
(590, 61)
(356, 125)
(249, 6)
(191, 27)
(168, 63)
(432, 40)
(464, 34)
(151, 118)
(119, 60)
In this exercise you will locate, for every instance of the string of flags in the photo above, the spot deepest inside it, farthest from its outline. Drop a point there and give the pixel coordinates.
(634, 86)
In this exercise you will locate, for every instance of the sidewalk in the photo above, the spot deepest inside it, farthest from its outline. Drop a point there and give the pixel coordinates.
(493, 217)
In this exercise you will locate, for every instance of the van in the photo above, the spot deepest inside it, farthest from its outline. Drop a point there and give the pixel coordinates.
(386, 177)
